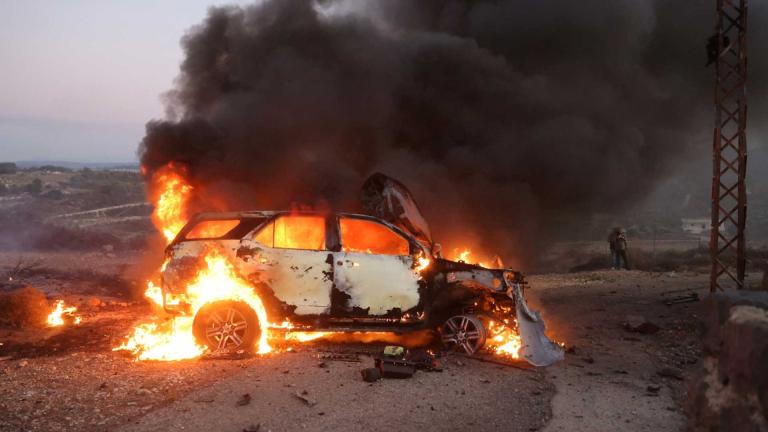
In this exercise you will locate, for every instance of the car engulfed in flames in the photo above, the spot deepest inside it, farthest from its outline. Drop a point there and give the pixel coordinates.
(237, 280)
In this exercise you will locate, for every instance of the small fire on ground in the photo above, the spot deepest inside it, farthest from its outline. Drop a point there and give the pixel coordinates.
(62, 314)
(216, 280)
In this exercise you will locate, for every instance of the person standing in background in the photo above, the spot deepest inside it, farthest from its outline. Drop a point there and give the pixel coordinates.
(617, 241)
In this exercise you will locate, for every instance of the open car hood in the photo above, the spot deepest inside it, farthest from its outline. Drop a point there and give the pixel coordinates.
(388, 199)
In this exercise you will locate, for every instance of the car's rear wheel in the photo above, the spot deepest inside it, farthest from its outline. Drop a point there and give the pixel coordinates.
(226, 325)
(464, 333)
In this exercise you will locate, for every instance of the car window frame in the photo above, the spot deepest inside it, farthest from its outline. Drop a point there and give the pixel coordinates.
(394, 230)
(271, 221)
(181, 237)
(240, 221)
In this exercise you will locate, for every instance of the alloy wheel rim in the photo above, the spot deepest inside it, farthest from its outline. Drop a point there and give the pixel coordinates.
(463, 333)
(226, 328)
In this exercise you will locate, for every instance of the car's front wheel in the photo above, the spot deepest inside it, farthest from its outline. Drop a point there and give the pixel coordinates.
(226, 325)
(464, 333)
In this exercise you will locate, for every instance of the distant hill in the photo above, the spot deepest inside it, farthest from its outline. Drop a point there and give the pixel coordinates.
(79, 165)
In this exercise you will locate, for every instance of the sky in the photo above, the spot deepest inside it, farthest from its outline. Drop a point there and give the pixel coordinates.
(80, 78)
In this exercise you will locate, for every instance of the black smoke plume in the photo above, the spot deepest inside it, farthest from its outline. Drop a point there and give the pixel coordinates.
(506, 119)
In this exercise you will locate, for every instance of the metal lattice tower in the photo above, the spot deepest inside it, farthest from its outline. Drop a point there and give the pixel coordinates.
(729, 195)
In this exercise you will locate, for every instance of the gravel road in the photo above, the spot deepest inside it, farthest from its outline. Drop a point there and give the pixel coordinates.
(467, 395)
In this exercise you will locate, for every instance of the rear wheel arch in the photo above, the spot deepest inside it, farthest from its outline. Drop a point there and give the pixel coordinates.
(449, 300)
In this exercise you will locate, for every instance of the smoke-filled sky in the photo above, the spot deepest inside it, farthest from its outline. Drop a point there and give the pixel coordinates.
(504, 117)
(80, 78)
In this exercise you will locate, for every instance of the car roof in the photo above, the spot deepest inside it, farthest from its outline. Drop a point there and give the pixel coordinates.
(253, 214)
(258, 214)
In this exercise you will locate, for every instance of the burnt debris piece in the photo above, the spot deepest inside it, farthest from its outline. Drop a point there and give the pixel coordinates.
(371, 374)
(304, 397)
(638, 324)
(398, 362)
(687, 298)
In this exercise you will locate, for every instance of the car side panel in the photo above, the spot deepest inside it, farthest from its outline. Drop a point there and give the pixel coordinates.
(378, 283)
(300, 278)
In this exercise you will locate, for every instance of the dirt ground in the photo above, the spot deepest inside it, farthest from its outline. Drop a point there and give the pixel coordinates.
(611, 379)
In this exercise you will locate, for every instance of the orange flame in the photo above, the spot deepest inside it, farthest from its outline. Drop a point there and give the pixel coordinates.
(56, 317)
(423, 264)
(171, 340)
(466, 255)
(463, 255)
(503, 340)
(215, 281)
(173, 193)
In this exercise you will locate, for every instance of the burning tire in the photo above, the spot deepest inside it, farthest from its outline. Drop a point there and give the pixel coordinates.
(464, 333)
(226, 325)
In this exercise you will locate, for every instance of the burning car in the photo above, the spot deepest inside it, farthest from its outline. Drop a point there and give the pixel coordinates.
(344, 272)
(236, 280)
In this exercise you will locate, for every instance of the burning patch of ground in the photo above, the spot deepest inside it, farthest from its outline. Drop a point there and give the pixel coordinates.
(98, 331)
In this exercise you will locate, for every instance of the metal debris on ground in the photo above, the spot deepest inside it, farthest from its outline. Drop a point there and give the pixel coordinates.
(371, 374)
(424, 360)
(393, 351)
(304, 397)
(398, 362)
(394, 368)
(688, 298)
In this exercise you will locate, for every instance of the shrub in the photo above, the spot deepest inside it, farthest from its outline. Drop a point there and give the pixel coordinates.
(25, 307)
(8, 168)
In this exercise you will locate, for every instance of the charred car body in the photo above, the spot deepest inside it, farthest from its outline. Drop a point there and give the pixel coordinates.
(350, 272)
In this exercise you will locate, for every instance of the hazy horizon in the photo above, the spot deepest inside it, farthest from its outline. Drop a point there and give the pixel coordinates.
(82, 78)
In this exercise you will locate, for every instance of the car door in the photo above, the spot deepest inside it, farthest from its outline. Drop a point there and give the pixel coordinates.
(373, 273)
(289, 254)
